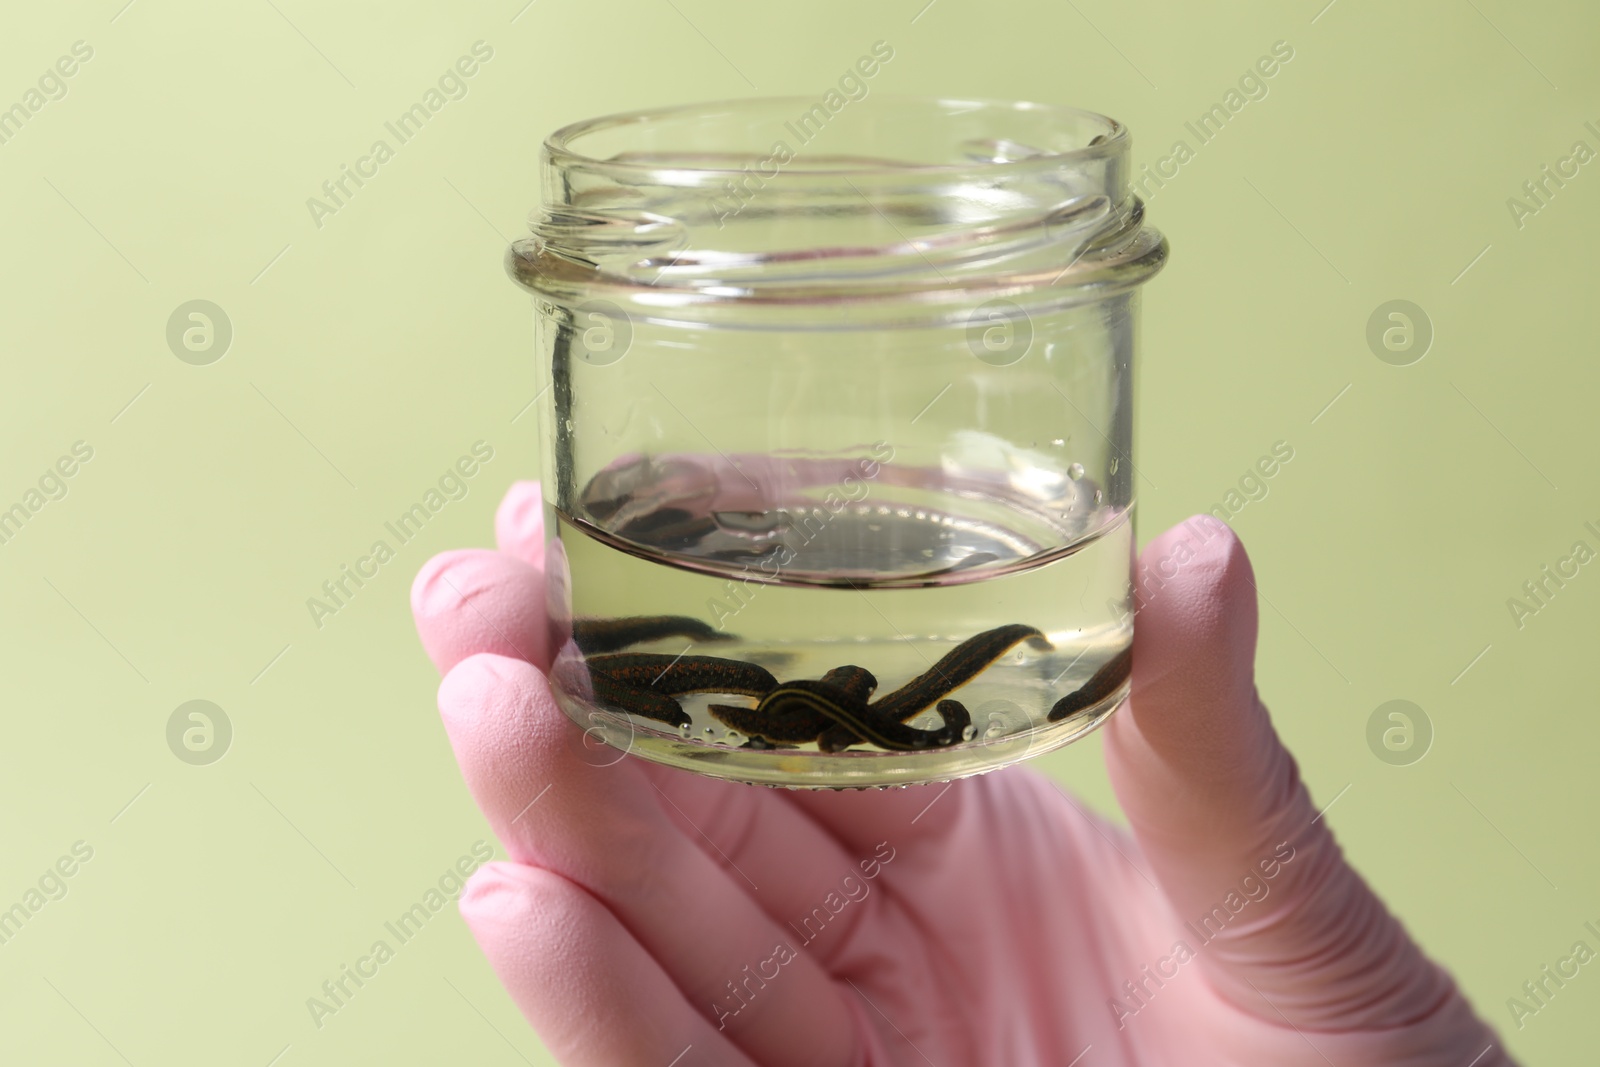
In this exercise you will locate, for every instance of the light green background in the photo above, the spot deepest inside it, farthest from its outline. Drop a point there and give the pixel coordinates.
(370, 352)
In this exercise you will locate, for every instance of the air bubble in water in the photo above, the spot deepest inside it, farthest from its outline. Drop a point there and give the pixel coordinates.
(969, 733)
(1114, 466)
(1075, 471)
(733, 737)
(685, 731)
(995, 730)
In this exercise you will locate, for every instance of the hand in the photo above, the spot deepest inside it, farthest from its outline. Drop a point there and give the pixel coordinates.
(653, 917)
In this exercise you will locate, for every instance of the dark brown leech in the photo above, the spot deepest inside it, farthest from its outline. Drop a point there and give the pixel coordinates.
(676, 675)
(597, 635)
(794, 722)
(789, 714)
(637, 701)
(644, 683)
(858, 682)
(958, 667)
(955, 669)
(783, 721)
(886, 732)
(957, 720)
(1102, 684)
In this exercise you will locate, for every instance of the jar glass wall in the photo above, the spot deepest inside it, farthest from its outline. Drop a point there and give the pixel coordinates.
(839, 484)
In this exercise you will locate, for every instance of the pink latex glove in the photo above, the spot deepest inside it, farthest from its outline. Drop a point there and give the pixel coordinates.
(654, 917)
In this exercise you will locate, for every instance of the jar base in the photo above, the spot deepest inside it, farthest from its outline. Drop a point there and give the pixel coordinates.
(610, 736)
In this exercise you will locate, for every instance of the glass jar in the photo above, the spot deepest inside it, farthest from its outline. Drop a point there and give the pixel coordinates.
(839, 412)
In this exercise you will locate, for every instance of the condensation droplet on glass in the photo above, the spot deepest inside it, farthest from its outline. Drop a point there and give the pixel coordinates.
(1099, 496)
(569, 425)
(1059, 442)
(1075, 471)
(1114, 465)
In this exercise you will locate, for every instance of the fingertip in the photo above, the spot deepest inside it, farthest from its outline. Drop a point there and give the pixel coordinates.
(473, 600)
(497, 711)
(554, 793)
(1196, 622)
(1203, 551)
(519, 522)
(1193, 758)
(582, 979)
(556, 951)
(501, 899)
(429, 589)
(1193, 725)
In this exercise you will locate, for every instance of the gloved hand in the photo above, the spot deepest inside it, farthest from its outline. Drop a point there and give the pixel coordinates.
(653, 917)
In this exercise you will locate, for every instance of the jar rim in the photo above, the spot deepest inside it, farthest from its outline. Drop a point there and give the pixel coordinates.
(922, 203)
(560, 150)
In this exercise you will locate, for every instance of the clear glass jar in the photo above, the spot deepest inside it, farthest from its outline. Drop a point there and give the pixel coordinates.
(838, 479)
